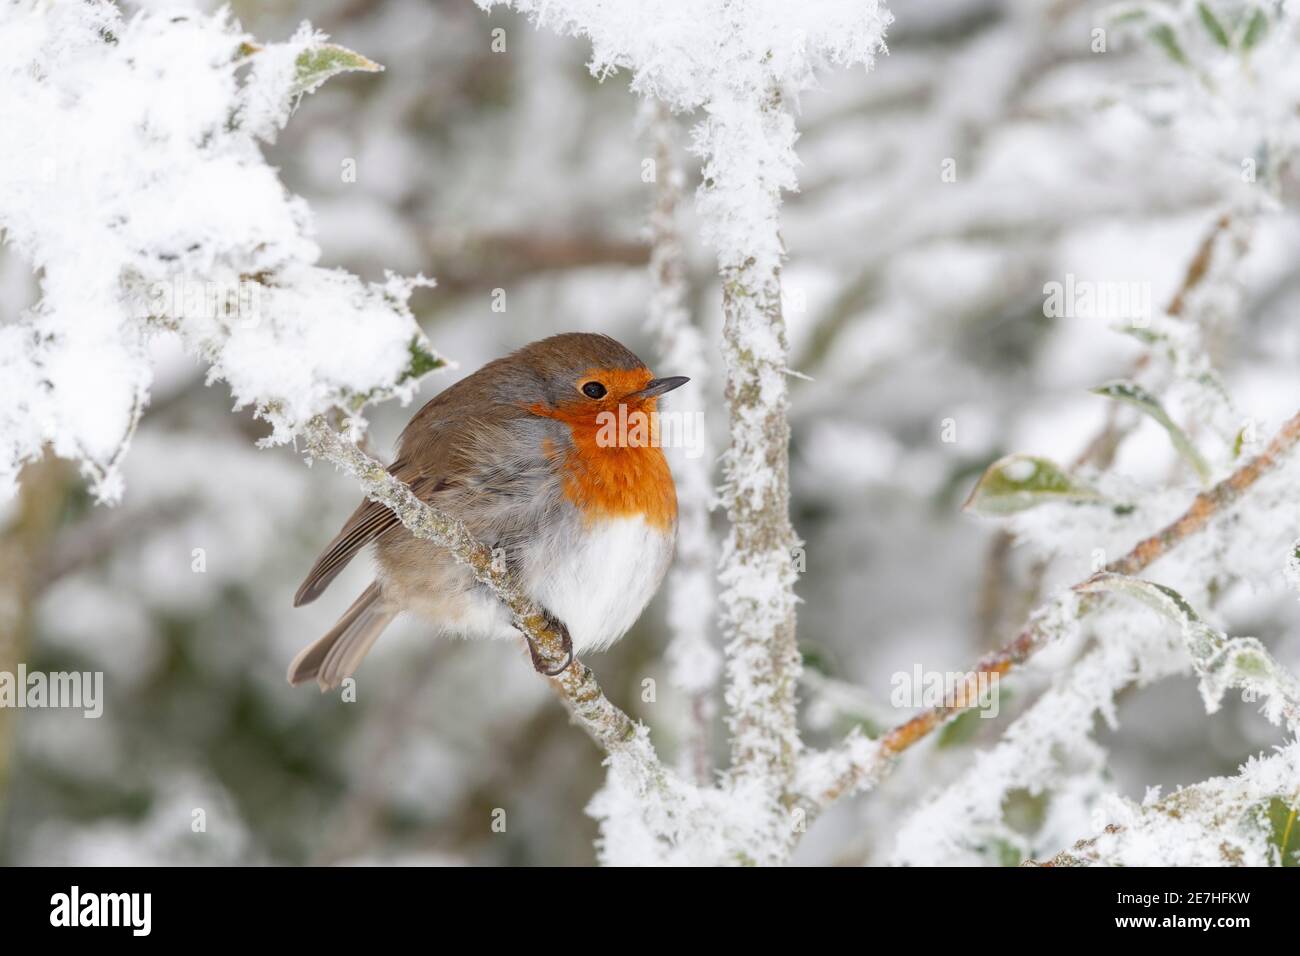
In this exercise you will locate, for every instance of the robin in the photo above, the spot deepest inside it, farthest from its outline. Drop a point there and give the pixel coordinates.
(527, 453)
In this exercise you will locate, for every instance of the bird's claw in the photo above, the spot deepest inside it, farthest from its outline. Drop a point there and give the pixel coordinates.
(539, 664)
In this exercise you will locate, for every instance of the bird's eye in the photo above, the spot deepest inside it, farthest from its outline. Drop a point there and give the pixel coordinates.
(593, 390)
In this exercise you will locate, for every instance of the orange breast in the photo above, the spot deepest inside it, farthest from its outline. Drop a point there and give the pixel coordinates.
(623, 479)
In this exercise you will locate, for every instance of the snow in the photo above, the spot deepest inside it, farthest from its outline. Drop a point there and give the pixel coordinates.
(1220, 822)
(135, 186)
(649, 816)
(725, 57)
(1233, 111)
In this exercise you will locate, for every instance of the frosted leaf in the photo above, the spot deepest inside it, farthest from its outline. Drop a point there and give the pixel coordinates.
(1221, 662)
(315, 65)
(1130, 393)
(1019, 482)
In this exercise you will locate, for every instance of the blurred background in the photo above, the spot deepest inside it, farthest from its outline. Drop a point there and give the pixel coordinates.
(992, 151)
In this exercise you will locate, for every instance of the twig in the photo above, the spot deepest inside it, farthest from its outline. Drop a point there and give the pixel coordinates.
(465, 264)
(46, 486)
(95, 539)
(991, 606)
(1066, 858)
(867, 763)
(1199, 267)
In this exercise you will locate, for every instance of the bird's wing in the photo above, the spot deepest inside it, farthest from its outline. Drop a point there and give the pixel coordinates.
(504, 480)
(481, 458)
(370, 521)
(423, 450)
(485, 460)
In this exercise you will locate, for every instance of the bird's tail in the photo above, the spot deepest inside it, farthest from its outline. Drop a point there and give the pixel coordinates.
(338, 654)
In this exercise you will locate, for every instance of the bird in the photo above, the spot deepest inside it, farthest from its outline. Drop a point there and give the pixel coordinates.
(526, 452)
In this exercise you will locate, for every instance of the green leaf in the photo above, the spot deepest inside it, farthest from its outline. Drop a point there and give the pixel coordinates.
(1256, 27)
(1019, 482)
(317, 64)
(1143, 335)
(1239, 442)
(1164, 37)
(422, 360)
(962, 728)
(1135, 395)
(814, 659)
(1128, 15)
(1284, 830)
(1177, 354)
(1024, 811)
(1213, 26)
(1001, 852)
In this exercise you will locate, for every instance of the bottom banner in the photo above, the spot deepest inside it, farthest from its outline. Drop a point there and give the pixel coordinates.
(332, 906)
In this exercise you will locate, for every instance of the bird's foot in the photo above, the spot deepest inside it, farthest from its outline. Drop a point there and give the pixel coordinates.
(553, 623)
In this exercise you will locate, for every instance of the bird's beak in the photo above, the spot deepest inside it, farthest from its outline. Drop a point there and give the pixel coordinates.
(658, 386)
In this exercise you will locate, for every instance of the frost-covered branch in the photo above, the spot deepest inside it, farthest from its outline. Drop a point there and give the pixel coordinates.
(694, 660)
(758, 558)
(607, 724)
(132, 181)
(856, 765)
(1049, 746)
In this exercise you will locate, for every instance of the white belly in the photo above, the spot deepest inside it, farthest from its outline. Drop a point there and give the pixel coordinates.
(598, 580)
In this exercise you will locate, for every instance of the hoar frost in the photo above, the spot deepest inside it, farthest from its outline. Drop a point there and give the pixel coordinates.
(133, 182)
